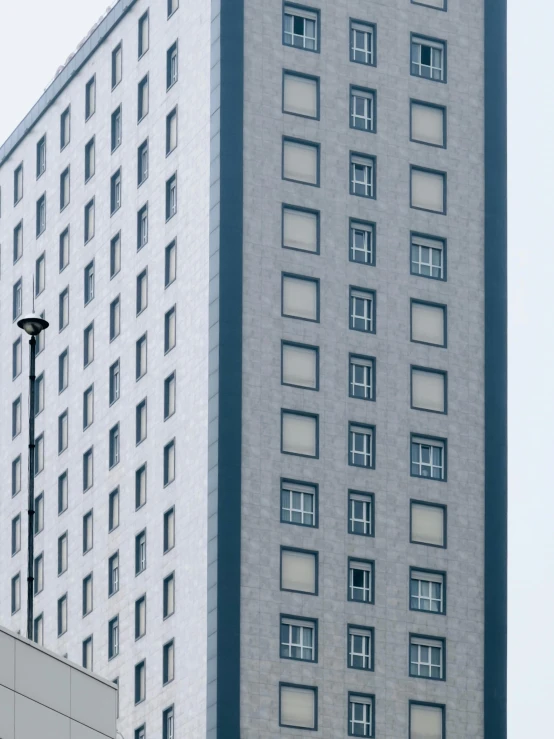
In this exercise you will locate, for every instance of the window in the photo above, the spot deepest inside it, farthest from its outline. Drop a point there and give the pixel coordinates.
(300, 95)
(113, 637)
(142, 162)
(143, 32)
(428, 524)
(87, 532)
(439, 4)
(299, 433)
(169, 530)
(113, 510)
(16, 358)
(41, 215)
(38, 574)
(298, 639)
(88, 345)
(140, 487)
(88, 407)
(428, 389)
(64, 249)
(89, 159)
(140, 552)
(300, 297)
(299, 570)
(172, 65)
(87, 653)
(142, 290)
(113, 454)
(168, 668)
(113, 574)
(115, 318)
(427, 721)
(115, 192)
(171, 197)
(140, 422)
(428, 457)
(362, 310)
(428, 257)
(427, 591)
(142, 227)
(171, 131)
(169, 595)
(172, 6)
(39, 513)
(169, 462)
(62, 553)
(41, 156)
(63, 431)
(301, 161)
(62, 615)
(87, 470)
(427, 123)
(170, 330)
(360, 581)
(300, 229)
(362, 175)
(360, 513)
(360, 714)
(16, 593)
(18, 184)
(362, 43)
(428, 190)
(18, 242)
(142, 106)
(140, 617)
(62, 492)
(16, 534)
(41, 342)
(297, 706)
(298, 503)
(16, 476)
(116, 128)
(362, 109)
(16, 417)
(427, 657)
(39, 454)
(89, 282)
(117, 65)
(64, 188)
(140, 682)
(360, 648)
(301, 27)
(362, 379)
(114, 382)
(115, 255)
(428, 58)
(38, 630)
(168, 717)
(90, 98)
(89, 220)
(169, 395)
(65, 128)
(428, 324)
(362, 238)
(141, 357)
(300, 365)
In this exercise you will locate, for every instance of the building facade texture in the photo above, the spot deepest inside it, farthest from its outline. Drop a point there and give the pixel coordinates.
(270, 240)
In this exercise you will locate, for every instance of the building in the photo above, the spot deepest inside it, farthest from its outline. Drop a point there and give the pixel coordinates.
(43, 695)
(271, 244)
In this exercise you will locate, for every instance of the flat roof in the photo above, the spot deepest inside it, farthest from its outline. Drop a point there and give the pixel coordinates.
(95, 39)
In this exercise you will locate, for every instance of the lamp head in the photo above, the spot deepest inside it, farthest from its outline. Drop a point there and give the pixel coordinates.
(33, 324)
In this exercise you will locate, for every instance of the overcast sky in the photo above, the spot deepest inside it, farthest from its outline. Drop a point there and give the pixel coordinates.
(29, 57)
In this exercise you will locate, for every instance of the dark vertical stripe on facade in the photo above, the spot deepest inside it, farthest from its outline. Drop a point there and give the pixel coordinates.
(496, 453)
(230, 370)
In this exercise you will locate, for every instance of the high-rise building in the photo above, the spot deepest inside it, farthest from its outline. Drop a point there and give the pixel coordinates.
(270, 240)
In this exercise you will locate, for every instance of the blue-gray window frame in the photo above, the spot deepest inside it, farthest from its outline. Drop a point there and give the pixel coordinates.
(307, 279)
(371, 631)
(354, 693)
(427, 104)
(309, 9)
(370, 158)
(442, 706)
(371, 27)
(431, 370)
(362, 560)
(369, 92)
(444, 242)
(311, 347)
(434, 305)
(371, 498)
(445, 522)
(308, 620)
(429, 437)
(303, 551)
(305, 142)
(301, 413)
(426, 570)
(434, 40)
(315, 486)
(313, 78)
(443, 174)
(312, 211)
(301, 687)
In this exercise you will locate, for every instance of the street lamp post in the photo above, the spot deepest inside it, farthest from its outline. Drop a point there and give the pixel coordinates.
(33, 325)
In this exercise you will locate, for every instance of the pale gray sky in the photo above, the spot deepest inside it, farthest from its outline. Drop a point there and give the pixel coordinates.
(29, 57)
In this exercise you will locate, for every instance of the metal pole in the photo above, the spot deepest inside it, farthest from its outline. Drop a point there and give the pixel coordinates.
(31, 533)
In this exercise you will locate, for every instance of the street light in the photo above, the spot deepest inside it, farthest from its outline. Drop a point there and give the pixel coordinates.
(32, 325)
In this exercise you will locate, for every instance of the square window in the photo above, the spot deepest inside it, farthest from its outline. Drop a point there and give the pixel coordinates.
(428, 524)
(428, 257)
(360, 648)
(360, 715)
(169, 596)
(428, 389)
(362, 109)
(427, 720)
(428, 457)
(362, 242)
(300, 365)
(143, 34)
(168, 662)
(113, 510)
(115, 255)
(298, 638)
(301, 27)
(427, 123)
(428, 190)
(300, 95)
(361, 580)
(113, 574)
(297, 706)
(298, 503)
(299, 433)
(362, 175)
(301, 161)
(171, 197)
(140, 617)
(361, 445)
(428, 58)
(428, 324)
(300, 297)
(299, 570)
(427, 591)
(169, 530)
(90, 98)
(362, 43)
(300, 229)
(361, 513)
(116, 128)
(427, 657)
(171, 131)
(362, 377)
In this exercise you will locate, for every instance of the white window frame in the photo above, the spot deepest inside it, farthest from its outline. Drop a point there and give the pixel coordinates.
(437, 65)
(366, 589)
(366, 653)
(366, 719)
(419, 465)
(367, 251)
(422, 251)
(304, 40)
(422, 657)
(367, 49)
(366, 434)
(424, 594)
(368, 381)
(366, 521)
(296, 640)
(291, 490)
(362, 176)
(368, 116)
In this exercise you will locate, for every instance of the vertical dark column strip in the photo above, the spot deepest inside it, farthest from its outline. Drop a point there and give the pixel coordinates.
(230, 372)
(496, 447)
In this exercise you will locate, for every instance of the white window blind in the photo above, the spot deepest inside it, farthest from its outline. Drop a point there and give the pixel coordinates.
(428, 390)
(428, 190)
(300, 298)
(297, 707)
(428, 124)
(299, 366)
(428, 324)
(426, 722)
(299, 229)
(298, 571)
(428, 524)
(299, 434)
(300, 162)
(300, 95)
